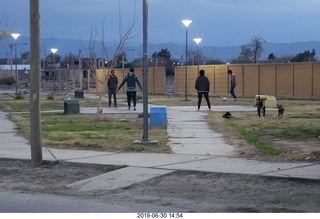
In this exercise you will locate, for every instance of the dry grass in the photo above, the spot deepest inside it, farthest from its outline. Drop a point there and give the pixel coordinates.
(77, 132)
(296, 136)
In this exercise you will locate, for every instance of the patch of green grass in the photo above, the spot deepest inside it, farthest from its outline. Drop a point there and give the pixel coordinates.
(15, 106)
(252, 138)
(300, 131)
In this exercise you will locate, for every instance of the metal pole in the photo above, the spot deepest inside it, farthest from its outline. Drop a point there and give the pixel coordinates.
(35, 69)
(15, 57)
(145, 70)
(80, 75)
(10, 45)
(186, 72)
(54, 72)
(198, 57)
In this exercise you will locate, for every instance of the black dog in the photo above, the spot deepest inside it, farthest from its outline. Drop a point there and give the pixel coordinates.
(261, 107)
(280, 111)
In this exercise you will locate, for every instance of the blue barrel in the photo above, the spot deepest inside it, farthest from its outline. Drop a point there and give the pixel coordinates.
(158, 115)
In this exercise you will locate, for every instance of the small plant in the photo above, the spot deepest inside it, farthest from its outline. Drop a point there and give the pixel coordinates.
(19, 96)
(7, 81)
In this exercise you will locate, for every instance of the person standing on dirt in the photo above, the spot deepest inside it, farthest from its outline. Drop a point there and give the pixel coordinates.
(233, 84)
(202, 85)
(112, 88)
(131, 79)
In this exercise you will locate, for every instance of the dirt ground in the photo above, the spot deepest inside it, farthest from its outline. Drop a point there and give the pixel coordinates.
(183, 191)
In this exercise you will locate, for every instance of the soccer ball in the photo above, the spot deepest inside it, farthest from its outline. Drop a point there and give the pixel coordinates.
(224, 98)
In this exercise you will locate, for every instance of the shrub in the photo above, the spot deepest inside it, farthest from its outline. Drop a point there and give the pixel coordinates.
(50, 97)
(19, 96)
(7, 81)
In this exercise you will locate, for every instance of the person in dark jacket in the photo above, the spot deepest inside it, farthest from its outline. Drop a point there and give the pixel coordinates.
(233, 84)
(131, 79)
(112, 88)
(202, 85)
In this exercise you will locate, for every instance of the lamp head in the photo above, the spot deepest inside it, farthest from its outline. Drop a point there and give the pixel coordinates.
(186, 22)
(197, 40)
(15, 35)
(53, 50)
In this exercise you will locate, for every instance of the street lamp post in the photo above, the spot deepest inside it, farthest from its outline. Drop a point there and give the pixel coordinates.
(80, 73)
(54, 50)
(15, 36)
(186, 24)
(11, 46)
(197, 40)
(145, 139)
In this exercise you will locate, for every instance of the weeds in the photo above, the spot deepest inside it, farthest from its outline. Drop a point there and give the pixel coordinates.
(19, 96)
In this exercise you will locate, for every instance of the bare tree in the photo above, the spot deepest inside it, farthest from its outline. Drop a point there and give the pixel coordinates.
(124, 36)
(256, 45)
(245, 55)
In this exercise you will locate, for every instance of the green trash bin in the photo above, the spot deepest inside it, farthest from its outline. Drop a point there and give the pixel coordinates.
(71, 106)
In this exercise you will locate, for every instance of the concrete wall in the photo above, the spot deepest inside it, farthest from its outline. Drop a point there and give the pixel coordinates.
(156, 79)
(291, 80)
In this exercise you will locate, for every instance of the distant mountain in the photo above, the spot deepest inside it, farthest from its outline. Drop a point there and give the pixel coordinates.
(226, 54)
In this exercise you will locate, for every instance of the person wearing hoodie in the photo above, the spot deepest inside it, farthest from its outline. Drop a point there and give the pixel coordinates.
(233, 83)
(202, 85)
(131, 79)
(112, 88)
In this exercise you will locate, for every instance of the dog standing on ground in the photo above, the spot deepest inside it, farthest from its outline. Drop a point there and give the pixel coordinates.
(280, 111)
(261, 107)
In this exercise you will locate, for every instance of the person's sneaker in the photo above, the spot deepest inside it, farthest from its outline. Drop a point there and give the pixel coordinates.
(198, 109)
(134, 109)
(235, 99)
(128, 108)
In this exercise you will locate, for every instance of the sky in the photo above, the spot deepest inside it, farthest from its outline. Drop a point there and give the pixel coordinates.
(217, 22)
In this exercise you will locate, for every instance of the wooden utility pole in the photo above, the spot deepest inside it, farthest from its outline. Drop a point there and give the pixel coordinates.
(35, 71)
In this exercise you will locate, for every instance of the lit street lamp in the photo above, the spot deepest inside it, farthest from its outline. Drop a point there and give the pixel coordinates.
(54, 50)
(186, 24)
(15, 36)
(197, 40)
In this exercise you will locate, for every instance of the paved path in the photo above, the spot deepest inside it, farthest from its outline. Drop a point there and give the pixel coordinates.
(195, 147)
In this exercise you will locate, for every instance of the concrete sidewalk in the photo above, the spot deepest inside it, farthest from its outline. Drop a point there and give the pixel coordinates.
(195, 147)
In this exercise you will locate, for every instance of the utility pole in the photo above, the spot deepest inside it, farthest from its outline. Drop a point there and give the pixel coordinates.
(145, 71)
(35, 69)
